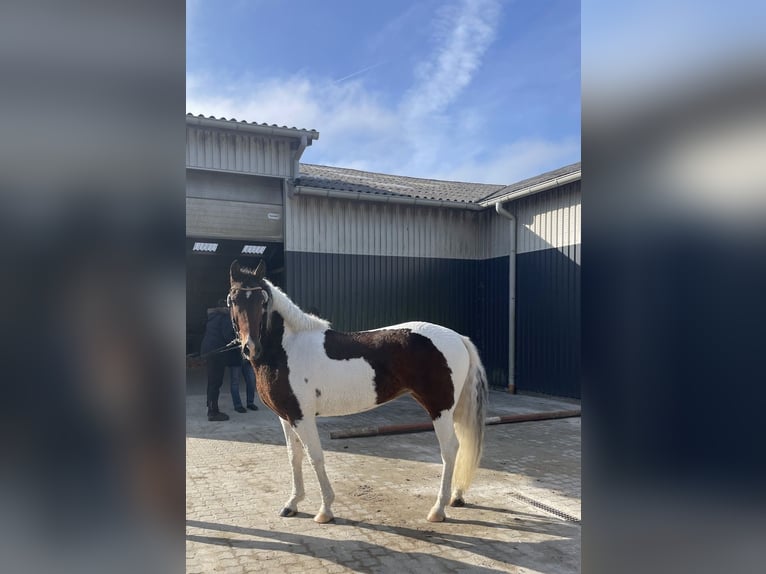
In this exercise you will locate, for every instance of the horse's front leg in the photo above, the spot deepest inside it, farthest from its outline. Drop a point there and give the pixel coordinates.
(295, 454)
(307, 432)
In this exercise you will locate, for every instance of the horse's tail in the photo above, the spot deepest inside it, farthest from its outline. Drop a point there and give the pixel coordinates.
(469, 420)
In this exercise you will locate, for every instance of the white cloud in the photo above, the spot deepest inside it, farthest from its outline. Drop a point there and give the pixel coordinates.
(466, 34)
(424, 134)
(515, 161)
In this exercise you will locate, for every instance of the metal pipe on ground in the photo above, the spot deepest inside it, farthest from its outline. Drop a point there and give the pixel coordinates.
(423, 427)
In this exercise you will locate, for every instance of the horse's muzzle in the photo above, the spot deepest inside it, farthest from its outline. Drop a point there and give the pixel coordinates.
(251, 350)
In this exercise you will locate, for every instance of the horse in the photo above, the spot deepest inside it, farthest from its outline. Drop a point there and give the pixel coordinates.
(304, 369)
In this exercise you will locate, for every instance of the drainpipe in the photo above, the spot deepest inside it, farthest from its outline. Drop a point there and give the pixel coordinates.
(532, 189)
(512, 296)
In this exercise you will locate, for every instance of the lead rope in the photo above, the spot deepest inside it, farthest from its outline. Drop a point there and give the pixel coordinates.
(228, 346)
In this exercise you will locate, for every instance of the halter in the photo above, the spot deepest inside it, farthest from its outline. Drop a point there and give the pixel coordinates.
(232, 290)
(236, 340)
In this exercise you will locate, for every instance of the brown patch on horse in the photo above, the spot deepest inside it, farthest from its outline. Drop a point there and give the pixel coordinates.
(403, 362)
(272, 376)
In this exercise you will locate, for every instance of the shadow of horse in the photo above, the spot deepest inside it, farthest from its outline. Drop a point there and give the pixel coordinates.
(344, 552)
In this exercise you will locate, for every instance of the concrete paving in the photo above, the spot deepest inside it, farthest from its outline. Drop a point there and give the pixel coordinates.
(517, 517)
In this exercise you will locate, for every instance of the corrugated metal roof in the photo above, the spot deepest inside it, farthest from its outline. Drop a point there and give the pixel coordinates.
(344, 179)
(263, 125)
(529, 182)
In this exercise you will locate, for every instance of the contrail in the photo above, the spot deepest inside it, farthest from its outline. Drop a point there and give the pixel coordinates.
(362, 71)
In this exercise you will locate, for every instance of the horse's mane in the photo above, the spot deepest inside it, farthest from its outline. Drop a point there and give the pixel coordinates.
(295, 318)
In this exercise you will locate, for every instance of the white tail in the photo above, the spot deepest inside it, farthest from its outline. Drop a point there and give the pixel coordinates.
(469, 421)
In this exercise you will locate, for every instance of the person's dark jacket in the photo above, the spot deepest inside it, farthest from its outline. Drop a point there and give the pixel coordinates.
(219, 332)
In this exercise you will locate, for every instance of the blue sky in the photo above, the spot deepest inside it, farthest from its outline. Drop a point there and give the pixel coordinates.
(471, 90)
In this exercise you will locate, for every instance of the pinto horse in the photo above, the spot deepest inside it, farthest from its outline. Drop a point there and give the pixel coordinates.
(304, 369)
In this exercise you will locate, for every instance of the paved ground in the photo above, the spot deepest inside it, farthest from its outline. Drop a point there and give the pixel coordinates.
(238, 477)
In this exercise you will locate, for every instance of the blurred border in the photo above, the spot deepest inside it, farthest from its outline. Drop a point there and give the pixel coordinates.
(92, 239)
(674, 275)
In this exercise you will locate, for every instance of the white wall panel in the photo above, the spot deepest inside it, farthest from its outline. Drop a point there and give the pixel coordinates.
(549, 219)
(325, 225)
(238, 152)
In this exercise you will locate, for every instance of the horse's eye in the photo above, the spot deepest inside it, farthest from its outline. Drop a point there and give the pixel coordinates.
(228, 300)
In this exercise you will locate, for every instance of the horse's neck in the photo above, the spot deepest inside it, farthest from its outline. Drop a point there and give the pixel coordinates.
(273, 334)
(294, 318)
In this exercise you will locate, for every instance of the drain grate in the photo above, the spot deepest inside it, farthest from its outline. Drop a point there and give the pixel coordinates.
(546, 508)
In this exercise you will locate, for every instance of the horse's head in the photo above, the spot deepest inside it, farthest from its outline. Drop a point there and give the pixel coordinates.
(247, 302)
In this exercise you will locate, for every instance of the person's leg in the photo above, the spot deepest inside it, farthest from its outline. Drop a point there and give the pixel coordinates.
(215, 369)
(234, 375)
(249, 376)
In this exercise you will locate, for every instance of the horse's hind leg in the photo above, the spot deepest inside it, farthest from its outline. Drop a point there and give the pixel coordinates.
(307, 431)
(295, 453)
(448, 443)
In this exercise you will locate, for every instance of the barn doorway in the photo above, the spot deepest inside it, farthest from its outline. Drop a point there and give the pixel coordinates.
(207, 276)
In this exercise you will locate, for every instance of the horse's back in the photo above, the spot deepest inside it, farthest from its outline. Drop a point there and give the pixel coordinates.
(448, 342)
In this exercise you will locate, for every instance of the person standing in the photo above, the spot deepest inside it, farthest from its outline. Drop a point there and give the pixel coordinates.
(218, 332)
(243, 369)
(237, 366)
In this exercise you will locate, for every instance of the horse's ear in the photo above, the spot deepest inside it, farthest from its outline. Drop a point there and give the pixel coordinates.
(235, 272)
(260, 271)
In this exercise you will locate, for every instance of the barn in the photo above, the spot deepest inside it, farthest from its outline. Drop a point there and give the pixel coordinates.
(499, 263)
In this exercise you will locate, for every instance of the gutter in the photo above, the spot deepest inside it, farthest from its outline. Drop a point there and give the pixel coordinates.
(253, 128)
(512, 296)
(536, 188)
(399, 199)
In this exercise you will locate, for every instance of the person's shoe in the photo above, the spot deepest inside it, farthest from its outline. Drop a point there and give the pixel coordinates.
(240, 409)
(252, 407)
(217, 416)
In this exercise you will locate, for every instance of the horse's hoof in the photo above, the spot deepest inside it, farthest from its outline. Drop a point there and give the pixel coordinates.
(457, 502)
(436, 516)
(323, 517)
(288, 512)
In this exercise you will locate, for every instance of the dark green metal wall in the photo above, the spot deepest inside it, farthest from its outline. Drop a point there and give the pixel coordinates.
(548, 322)
(357, 292)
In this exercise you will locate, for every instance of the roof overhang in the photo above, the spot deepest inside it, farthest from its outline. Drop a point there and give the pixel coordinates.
(519, 192)
(382, 198)
(253, 128)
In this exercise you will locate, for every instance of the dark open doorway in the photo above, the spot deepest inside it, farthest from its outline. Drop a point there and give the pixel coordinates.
(207, 276)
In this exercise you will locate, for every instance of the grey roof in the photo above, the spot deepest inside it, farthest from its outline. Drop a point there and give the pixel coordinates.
(507, 190)
(327, 177)
(252, 124)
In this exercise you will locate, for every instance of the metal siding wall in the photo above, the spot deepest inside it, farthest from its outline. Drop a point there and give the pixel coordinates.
(494, 235)
(549, 220)
(324, 225)
(232, 220)
(358, 292)
(233, 187)
(491, 333)
(237, 152)
(548, 292)
(366, 264)
(548, 323)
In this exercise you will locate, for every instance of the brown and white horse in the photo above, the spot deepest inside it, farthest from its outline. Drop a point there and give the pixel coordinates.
(304, 370)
